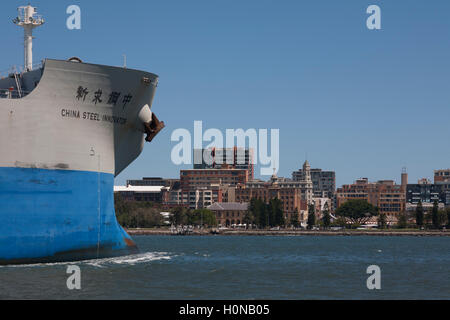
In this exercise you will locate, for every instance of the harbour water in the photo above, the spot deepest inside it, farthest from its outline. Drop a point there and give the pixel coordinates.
(248, 267)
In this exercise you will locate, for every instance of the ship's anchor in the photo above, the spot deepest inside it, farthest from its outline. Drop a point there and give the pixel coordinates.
(153, 127)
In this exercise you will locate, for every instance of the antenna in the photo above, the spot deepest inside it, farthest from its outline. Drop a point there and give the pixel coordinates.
(28, 19)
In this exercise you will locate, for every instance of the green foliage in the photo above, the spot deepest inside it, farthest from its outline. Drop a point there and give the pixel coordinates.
(199, 217)
(435, 215)
(132, 214)
(276, 213)
(341, 222)
(382, 221)
(248, 219)
(419, 214)
(442, 217)
(427, 217)
(326, 219)
(203, 217)
(179, 216)
(402, 222)
(311, 217)
(447, 211)
(256, 211)
(295, 219)
(266, 215)
(358, 211)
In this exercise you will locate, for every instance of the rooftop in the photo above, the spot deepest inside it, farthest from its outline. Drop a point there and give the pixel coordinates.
(231, 206)
(138, 188)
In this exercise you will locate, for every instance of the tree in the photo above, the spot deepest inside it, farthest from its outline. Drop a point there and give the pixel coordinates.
(147, 217)
(341, 221)
(448, 216)
(253, 210)
(358, 211)
(179, 216)
(382, 221)
(258, 209)
(295, 219)
(264, 217)
(248, 219)
(202, 217)
(209, 218)
(402, 221)
(435, 215)
(276, 212)
(442, 218)
(311, 216)
(427, 217)
(326, 216)
(134, 214)
(419, 214)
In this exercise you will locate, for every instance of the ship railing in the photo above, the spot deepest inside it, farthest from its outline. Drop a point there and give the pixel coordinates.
(12, 94)
(18, 70)
(4, 74)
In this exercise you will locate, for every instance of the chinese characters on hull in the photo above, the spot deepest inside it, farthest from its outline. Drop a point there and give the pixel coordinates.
(114, 97)
(82, 93)
(97, 96)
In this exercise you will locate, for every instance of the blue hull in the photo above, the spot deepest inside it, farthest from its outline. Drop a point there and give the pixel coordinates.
(58, 215)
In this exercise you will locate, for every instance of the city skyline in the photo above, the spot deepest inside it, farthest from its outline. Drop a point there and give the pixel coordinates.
(396, 179)
(363, 103)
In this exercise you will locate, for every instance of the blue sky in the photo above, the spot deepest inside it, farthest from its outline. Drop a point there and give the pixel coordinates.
(363, 103)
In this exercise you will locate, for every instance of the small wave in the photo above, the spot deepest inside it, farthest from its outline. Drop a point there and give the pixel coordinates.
(130, 260)
(34, 265)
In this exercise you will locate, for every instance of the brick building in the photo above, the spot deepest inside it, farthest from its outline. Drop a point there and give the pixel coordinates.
(203, 178)
(389, 197)
(442, 176)
(220, 158)
(229, 213)
(324, 182)
(356, 191)
(442, 179)
(294, 195)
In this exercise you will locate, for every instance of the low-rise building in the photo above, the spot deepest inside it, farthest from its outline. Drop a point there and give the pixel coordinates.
(442, 178)
(221, 158)
(295, 196)
(356, 191)
(155, 181)
(426, 193)
(203, 178)
(174, 198)
(140, 193)
(389, 197)
(198, 198)
(203, 198)
(229, 214)
(324, 182)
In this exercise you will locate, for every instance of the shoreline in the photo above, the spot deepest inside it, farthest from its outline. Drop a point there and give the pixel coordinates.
(208, 232)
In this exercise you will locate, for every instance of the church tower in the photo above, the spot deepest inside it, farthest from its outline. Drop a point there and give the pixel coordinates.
(308, 182)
